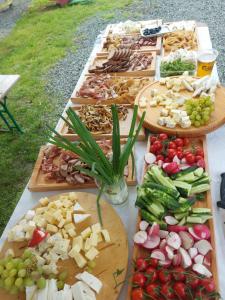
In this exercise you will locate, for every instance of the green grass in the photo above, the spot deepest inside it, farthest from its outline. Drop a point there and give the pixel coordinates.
(40, 38)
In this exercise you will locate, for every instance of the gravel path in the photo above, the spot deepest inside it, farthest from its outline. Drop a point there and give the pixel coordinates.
(9, 17)
(65, 74)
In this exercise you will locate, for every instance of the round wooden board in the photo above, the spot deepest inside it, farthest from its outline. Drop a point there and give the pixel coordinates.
(153, 113)
(112, 256)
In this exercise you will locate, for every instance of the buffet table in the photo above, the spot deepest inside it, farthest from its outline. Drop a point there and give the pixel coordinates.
(128, 213)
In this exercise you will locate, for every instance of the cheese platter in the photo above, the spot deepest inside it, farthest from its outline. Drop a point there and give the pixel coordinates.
(53, 170)
(110, 246)
(185, 105)
(107, 89)
(98, 119)
(168, 258)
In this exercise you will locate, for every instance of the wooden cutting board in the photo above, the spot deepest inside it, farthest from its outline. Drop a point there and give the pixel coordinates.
(207, 202)
(112, 257)
(153, 113)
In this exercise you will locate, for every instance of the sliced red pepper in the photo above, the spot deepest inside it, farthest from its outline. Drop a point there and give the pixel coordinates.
(37, 237)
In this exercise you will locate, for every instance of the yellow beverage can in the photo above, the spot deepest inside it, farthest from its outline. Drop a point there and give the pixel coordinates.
(205, 61)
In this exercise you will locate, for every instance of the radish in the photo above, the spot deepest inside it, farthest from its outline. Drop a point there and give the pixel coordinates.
(207, 260)
(160, 163)
(171, 168)
(150, 158)
(165, 263)
(169, 252)
(140, 237)
(176, 159)
(163, 234)
(192, 252)
(199, 259)
(173, 240)
(177, 228)
(186, 260)
(183, 161)
(184, 166)
(143, 225)
(177, 259)
(152, 242)
(191, 231)
(171, 220)
(203, 246)
(158, 254)
(202, 270)
(153, 230)
(187, 239)
(162, 244)
(202, 231)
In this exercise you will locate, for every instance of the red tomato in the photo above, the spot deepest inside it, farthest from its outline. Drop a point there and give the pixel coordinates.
(199, 151)
(158, 152)
(167, 159)
(163, 136)
(186, 153)
(152, 274)
(137, 294)
(172, 145)
(179, 289)
(180, 149)
(179, 142)
(180, 154)
(193, 282)
(171, 153)
(186, 141)
(190, 158)
(208, 284)
(164, 276)
(198, 157)
(152, 289)
(153, 139)
(153, 262)
(178, 274)
(159, 157)
(158, 145)
(153, 149)
(139, 279)
(141, 264)
(167, 291)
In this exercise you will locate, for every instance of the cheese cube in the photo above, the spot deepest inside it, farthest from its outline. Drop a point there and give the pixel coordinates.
(86, 233)
(61, 247)
(40, 210)
(58, 203)
(79, 259)
(96, 228)
(78, 241)
(44, 201)
(78, 208)
(87, 245)
(164, 112)
(69, 226)
(92, 253)
(71, 232)
(68, 217)
(73, 196)
(106, 236)
(94, 239)
(100, 237)
(51, 228)
(74, 250)
(61, 223)
(153, 103)
(41, 222)
(64, 233)
(57, 215)
(48, 217)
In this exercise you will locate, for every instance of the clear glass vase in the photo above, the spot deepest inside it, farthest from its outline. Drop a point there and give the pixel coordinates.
(117, 193)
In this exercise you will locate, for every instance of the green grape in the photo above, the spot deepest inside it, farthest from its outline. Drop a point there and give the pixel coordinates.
(19, 282)
(198, 118)
(5, 273)
(9, 281)
(14, 290)
(62, 276)
(41, 283)
(1, 282)
(28, 282)
(1, 269)
(40, 270)
(16, 261)
(197, 124)
(60, 284)
(92, 264)
(9, 265)
(27, 254)
(27, 262)
(89, 270)
(12, 272)
(2, 262)
(21, 265)
(22, 273)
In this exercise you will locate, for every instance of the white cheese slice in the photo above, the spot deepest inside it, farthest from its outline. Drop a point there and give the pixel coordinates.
(93, 282)
(80, 260)
(43, 293)
(81, 291)
(30, 292)
(78, 208)
(67, 292)
(52, 288)
(92, 253)
(78, 218)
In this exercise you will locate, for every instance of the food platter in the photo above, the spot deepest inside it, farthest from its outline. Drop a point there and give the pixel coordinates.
(153, 113)
(38, 181)
(112, 256)
(207, 202)
(127, 86)
(124, 128)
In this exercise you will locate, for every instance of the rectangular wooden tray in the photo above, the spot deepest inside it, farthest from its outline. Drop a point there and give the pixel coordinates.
(148, 72)
(124, 128)
(38, 183)
(82, 100)
(137, 251)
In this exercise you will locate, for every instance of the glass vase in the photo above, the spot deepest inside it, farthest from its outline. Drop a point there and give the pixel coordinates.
(117, 193)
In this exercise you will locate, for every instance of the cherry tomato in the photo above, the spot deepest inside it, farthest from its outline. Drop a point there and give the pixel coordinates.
(158, 145)
(180, 154)
(153, 149)
(153, 139)
(178, 274)
(180, 289)
(163, 136)
(172, 145)
(137, 294)
(186, 141)
(159, 157)
(139, 279)
(208, 284)
(180, 149)
(152, 289)
(167, 159)
(179, 142)
(158, 152)
(167, 291)
(141, 264)
(190, 158)
(193, 282)
(164, 276)
(171, 153)
(198, 157)
(152, 274)
(153, 262)
(186, 153)
(199, 151)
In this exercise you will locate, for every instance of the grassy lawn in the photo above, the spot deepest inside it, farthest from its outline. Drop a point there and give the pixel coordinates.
(39, 39)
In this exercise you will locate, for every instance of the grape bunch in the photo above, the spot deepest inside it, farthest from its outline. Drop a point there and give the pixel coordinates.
(199, 110)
